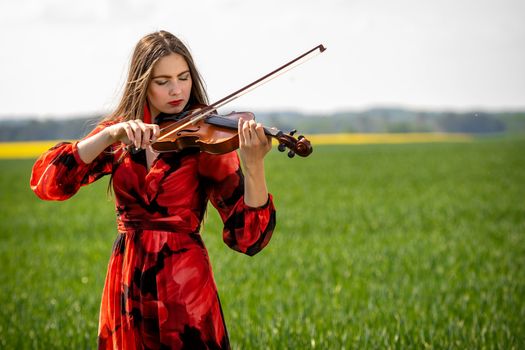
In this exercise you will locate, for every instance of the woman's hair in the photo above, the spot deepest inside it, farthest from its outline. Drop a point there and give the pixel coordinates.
(148, 51)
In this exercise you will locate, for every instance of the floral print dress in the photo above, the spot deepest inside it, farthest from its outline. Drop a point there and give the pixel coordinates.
(159, 291)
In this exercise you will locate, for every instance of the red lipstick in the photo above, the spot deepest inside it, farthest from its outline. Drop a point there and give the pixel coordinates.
(175, 102)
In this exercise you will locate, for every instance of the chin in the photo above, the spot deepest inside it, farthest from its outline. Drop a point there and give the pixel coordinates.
(173, 110)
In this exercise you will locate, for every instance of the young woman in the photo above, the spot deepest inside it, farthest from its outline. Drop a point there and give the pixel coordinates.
(159, 291)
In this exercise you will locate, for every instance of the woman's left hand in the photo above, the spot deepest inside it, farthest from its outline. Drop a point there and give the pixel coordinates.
(254, 144)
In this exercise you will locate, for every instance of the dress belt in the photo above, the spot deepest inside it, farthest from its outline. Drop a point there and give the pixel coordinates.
(160, 224)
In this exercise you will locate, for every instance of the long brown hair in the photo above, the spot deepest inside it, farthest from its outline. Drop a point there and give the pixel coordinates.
(147, 52)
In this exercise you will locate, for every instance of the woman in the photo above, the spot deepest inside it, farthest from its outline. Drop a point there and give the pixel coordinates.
(159, 290)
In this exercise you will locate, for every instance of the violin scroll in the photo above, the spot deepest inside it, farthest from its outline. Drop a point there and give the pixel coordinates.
(300, 146)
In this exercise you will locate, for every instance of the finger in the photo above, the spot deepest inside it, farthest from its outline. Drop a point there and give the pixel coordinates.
(137, 133)
(252, 125)
(246, 133)
(254, 138)
(240, 131)
(155, 133)
(146, 138)
(144, 131)
(259, 132)
(268, 143)
(129, 133)
(261, 140)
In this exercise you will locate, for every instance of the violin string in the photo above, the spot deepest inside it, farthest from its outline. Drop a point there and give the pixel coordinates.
(207, 110)
(198, 116)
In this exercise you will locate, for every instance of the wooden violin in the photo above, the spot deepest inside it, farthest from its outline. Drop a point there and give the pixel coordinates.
(217, 134)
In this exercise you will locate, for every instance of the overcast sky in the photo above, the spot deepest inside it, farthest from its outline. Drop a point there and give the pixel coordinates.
(62, 57)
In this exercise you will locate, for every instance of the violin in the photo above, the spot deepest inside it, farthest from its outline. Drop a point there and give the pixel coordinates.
(203, 128)
(218, 134)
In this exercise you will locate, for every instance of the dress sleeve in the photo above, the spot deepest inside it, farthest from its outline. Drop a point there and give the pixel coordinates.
(59, 172)
(246, 229)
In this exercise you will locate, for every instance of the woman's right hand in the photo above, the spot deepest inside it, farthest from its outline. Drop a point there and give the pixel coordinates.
(134, 132)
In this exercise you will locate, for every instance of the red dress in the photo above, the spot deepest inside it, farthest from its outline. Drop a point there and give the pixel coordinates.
(159, 291)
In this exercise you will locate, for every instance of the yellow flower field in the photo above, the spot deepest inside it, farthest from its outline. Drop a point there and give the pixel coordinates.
(336, 139)
(31, 149)
(26, 149)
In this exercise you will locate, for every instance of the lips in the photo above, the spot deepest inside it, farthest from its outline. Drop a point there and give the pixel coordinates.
(175, 102)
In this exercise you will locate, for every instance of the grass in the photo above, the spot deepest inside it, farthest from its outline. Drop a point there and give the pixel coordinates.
(377, 246)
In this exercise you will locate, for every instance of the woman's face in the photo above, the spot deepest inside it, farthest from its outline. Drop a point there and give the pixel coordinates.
(170, 86)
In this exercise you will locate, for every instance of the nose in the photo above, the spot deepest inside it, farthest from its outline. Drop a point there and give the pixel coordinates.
(175, 89)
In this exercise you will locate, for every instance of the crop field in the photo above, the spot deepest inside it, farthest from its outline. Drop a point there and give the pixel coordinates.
(377, 246)
(31, 149)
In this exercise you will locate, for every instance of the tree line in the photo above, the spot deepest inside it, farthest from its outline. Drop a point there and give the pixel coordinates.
(374, 120)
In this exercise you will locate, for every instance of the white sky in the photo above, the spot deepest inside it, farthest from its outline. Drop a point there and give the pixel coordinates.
(59, 58)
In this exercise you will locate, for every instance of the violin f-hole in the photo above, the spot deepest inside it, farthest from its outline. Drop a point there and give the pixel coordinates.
(181, 132)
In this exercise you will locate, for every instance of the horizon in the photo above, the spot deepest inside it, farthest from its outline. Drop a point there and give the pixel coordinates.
(284, 111)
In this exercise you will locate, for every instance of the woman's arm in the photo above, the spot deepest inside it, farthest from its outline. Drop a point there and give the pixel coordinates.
(253, 147)
(248, 224)
(131, 132)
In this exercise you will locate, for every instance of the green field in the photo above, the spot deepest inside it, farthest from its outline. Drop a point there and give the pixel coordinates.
(405, 246)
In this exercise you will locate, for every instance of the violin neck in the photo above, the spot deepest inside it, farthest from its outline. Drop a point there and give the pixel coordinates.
(232, 123)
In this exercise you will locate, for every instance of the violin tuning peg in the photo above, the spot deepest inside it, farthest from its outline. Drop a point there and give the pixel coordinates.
(293, 131)
(281, 147)
(291, 154)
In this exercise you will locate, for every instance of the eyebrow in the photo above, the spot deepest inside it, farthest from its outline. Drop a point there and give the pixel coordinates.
(169, 76)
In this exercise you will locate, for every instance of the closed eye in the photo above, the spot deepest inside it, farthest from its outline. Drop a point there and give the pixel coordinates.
(184, 76)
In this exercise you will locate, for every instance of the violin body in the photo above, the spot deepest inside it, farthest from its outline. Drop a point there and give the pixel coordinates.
(203, 134)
